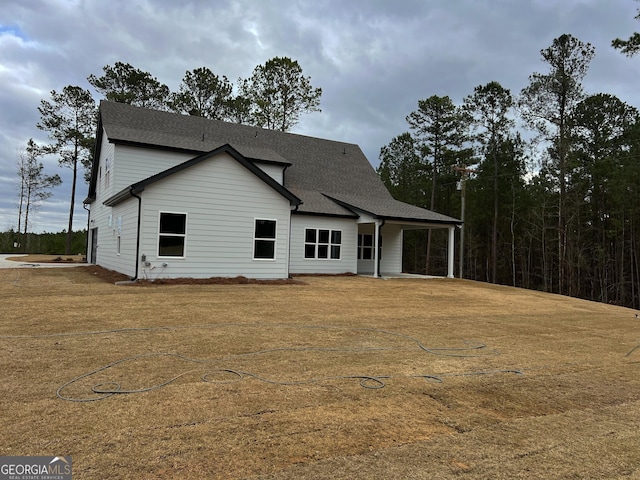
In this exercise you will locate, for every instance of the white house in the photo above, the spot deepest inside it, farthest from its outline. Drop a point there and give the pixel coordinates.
(176, 196)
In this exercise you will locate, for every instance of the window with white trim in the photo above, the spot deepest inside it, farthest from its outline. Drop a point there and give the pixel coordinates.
(172, 234)
(365, 246)
(264, 239)
(321, 243)
(107, 172)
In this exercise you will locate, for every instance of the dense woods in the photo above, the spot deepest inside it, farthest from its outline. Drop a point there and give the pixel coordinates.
(559, 211)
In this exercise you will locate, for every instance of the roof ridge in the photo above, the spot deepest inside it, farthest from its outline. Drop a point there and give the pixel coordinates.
(205, 121)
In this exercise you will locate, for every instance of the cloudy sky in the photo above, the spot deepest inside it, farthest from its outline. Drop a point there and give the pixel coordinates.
(373, 59)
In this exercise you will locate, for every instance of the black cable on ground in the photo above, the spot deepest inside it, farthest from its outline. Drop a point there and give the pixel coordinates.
(372, 382)
(632, 350)
(105, 390)
(443, 351)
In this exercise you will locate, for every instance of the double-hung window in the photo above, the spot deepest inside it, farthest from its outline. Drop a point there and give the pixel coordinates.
(264, 239)
(322, 244)
(172, 234)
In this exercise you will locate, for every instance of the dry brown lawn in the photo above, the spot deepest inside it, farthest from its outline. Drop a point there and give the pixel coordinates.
(279, 381)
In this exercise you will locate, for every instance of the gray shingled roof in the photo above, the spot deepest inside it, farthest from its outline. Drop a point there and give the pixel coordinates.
(329, 177)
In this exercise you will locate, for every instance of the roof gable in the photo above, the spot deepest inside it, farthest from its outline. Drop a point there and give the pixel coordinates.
(140, 186)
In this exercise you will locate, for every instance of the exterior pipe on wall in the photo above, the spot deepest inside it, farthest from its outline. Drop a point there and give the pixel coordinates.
(137, 233)
(84, 205)
(376, 245)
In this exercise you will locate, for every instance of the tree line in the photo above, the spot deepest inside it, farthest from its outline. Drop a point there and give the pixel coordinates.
(559, 211)
(273, 97)
(47, 243)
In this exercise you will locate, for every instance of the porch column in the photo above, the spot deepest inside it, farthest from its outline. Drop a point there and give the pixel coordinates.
(376, 249)
(452, 237)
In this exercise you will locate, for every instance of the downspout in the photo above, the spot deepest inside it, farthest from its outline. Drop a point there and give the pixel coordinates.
(295, 209)
(84, 205)
(137, 233)
(290, 228)
(376, 245)
(379, 256)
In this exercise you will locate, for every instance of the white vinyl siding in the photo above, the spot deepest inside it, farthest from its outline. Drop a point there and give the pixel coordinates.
(392, 247)
(133, 164)
(106, 153)
(274, 171)
(126, 165)
(222, 200)
(348, 229)
(116, 242)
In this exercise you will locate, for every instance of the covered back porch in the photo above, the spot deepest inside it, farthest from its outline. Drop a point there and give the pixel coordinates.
(381, 245)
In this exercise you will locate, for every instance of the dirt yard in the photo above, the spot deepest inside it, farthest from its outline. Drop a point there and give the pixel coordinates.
(326, 377)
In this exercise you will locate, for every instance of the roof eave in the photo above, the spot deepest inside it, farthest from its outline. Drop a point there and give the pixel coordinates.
(395, 218)
(124, 194)
(391, 218)
(155, 146)
(332, 215)
(96, 160)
